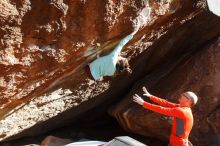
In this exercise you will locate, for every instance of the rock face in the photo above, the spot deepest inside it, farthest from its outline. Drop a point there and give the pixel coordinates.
(46, 45)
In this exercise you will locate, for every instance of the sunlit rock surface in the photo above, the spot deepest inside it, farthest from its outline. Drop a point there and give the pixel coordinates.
(46, 45)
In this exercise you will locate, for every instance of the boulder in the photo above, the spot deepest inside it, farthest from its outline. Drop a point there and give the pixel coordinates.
(45, 47)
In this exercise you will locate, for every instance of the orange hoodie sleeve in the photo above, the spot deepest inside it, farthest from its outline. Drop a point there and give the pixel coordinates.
(163, 102)
(174, 112)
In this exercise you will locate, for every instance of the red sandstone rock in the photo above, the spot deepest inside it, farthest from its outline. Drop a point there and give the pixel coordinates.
(45, 46)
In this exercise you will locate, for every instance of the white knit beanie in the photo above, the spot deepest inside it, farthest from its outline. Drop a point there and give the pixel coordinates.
(192, 96)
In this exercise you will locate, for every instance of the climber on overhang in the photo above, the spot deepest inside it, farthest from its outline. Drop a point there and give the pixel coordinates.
(183, 118)
(113, 63)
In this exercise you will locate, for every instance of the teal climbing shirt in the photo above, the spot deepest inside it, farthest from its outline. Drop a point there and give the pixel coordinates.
(106, 65)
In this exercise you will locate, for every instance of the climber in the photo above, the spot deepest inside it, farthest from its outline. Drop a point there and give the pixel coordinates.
(113, 63)
(183, 118)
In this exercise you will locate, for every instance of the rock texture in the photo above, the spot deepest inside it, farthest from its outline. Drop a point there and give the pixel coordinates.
(55, 141)
(46, 45)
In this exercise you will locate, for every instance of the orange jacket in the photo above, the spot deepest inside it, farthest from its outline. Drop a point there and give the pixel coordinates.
(182, 122)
